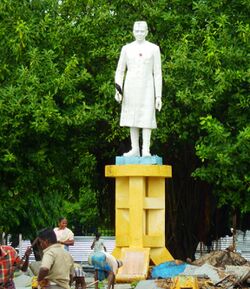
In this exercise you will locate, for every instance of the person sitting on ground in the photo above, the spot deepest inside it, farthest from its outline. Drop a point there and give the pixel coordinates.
(57, 267)
(98, 244)
(106, 266)
(9, 262)
(79, 277)
(63, 234)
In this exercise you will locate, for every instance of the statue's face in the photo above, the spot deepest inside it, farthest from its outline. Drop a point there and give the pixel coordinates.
(140, 32)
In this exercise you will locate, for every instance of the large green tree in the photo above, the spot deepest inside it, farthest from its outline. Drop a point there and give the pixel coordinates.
(206, 113)
(59, 121)
(46, 119)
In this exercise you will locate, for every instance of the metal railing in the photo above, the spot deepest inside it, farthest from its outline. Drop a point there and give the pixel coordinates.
(81, 249)
(242, 245)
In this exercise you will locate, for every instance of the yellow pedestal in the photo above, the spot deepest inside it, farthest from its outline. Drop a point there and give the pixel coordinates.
(140, 208)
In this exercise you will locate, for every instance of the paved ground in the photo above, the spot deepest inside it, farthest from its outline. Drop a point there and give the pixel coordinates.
(89, 279)
(23, 282)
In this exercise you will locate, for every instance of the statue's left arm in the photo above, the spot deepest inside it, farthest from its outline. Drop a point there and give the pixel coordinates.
(157, 78)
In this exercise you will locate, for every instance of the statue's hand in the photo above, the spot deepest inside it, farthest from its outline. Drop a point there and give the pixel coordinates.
(118, 96)
(158, 103)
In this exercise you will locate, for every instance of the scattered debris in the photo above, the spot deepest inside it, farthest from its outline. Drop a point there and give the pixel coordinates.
(164, 283)
(168, 269)
(221, 259)
(218, 269)
(205, 271)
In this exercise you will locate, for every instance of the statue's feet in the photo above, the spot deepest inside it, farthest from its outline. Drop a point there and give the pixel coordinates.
(132, 153)
(146, 153)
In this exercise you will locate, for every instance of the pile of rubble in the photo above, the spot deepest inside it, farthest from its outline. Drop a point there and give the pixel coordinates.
(225, 269)
(221, 259)
(218, 269)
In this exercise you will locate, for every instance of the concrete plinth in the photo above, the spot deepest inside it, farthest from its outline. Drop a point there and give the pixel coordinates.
(140, 211)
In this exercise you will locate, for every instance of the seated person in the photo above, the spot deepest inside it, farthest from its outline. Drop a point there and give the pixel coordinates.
(79, 277)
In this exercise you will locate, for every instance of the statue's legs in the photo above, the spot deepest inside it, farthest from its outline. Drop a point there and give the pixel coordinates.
(134, 136)
(146, 135)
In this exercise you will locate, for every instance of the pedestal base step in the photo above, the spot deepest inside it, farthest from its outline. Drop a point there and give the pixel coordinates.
(135, 265)
(152, 160)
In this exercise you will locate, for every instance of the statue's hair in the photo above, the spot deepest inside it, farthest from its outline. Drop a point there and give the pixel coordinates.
(141, 23)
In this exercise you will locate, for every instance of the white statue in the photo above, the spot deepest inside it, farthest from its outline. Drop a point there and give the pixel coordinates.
(142, 89)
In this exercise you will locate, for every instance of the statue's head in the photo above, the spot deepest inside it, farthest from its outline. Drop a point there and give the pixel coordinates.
(140, 30)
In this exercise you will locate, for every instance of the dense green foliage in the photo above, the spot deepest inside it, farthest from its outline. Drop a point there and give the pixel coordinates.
(59, 121)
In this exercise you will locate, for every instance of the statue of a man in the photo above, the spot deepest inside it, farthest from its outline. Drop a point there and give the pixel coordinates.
(141, 91)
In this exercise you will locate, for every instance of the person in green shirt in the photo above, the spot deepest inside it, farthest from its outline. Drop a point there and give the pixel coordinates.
(57, 267)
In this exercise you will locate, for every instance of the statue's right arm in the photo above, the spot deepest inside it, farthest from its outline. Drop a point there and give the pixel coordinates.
(120, 72)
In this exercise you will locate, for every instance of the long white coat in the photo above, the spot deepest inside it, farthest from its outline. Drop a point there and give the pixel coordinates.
(143, 83)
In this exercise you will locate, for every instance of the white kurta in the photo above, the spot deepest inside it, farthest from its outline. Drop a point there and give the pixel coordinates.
(63, 235)
(143, 83)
